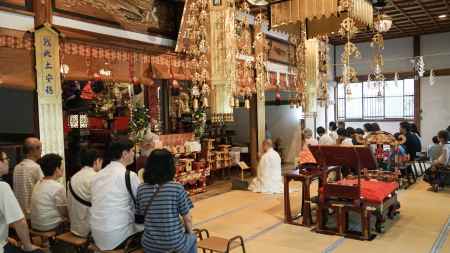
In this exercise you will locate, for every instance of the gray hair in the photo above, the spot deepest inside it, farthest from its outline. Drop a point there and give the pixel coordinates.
(150, 137)
(307, 133)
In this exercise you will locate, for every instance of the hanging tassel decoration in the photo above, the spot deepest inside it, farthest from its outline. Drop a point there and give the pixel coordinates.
(195, 104)
(396, 79)
(432, 78)
(236, 102)
(231, 101)
(205, 102)
(247, 103)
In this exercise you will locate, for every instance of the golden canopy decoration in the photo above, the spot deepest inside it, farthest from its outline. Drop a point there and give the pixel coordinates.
(322, 16)
(194, 40)
(137, 12)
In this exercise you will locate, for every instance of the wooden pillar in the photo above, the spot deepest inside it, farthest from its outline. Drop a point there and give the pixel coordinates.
(253, 135)
(48, 83)
(43, 12)
(417, 85)
(165, 103)
(257, 128)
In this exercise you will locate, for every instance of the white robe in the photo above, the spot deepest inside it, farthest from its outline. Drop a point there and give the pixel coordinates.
(269, 178)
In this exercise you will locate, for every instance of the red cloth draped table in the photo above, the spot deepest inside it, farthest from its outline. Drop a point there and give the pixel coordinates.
(372, 191)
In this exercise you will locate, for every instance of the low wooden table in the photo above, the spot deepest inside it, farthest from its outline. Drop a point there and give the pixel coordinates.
(306, 178)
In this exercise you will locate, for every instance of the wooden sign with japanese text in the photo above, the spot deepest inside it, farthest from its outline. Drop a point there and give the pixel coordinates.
(47, 62)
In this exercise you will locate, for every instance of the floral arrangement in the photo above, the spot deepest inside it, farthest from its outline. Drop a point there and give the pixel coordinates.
(139, 122)
(199, 121)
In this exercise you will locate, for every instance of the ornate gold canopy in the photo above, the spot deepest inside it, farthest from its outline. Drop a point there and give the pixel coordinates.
(321, 16)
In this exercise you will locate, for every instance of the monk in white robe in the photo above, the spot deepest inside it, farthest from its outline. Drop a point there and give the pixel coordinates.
(269, 178)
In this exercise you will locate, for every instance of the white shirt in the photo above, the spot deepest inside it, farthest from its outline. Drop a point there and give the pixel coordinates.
(79, 213)
(333, 135)
(347, 142)
(26, 174)
(48, 196)
(10, 212)
(444, 158)
(326, 140)
(112, 211)
(269, 178)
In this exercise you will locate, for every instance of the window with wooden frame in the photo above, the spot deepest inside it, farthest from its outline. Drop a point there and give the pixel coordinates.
(393, 101)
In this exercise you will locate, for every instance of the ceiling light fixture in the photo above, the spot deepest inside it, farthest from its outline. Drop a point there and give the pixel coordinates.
(383, 23)
(442, 16)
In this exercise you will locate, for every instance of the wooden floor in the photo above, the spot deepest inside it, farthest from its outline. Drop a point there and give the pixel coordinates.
(423, 225)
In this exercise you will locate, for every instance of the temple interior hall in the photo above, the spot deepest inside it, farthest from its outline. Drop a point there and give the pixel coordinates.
(226, 126)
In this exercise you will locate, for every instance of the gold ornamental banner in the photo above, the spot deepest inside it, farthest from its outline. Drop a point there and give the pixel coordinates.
(47, 62)
(321, 16)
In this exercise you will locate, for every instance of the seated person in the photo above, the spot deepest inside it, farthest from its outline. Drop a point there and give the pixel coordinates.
(269, 178)
(11, 214)
(151, 141)
(80, 184)
(166, 206)
(435, 150)
(360, 132)
(399, 153)
(441, 163)
(48, 200)
(112, 211)
(305, 156)
(332, 130)
(324, 139)
(308, 139)
(344, 139)
(412, 143)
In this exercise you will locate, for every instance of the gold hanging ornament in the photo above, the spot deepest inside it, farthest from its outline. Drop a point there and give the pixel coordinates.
(376, 78)
(324, 50)
(195, 44)
(348, 29)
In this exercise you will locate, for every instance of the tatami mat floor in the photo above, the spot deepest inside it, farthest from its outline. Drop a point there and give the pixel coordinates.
(423, 225)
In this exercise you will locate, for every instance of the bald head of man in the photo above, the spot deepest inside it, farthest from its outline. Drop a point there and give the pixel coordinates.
(267, 144)
(32, 148)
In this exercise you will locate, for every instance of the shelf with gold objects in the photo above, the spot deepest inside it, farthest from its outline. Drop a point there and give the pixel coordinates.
(191, 174)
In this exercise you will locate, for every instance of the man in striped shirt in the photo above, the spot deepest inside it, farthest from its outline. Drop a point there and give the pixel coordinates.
(27, 173)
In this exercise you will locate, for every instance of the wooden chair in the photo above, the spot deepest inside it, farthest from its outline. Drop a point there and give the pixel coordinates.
(340, 197)
(218, 244)
(42, 239)
(78, 243)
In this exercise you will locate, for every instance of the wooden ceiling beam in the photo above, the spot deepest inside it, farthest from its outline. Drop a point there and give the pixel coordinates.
(404, 14)
(397, 27)
(428, 13)
(447, 7)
